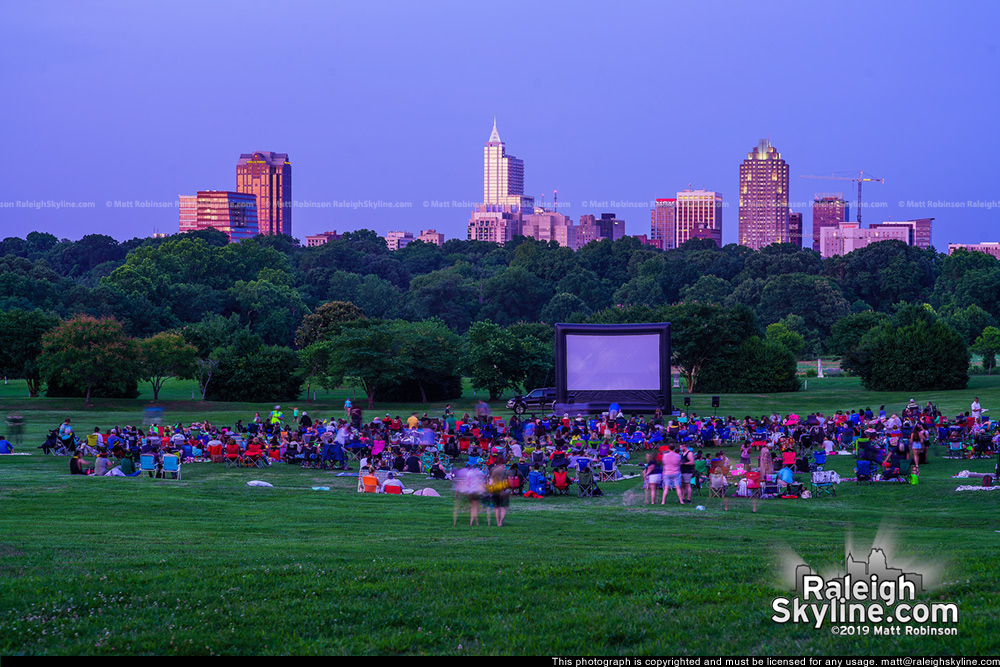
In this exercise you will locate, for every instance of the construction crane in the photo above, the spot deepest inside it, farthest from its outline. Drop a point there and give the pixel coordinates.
(859, 180)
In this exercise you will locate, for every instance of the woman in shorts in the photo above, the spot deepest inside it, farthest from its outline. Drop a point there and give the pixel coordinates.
(499, 493)
(672, 474)
(654, 475)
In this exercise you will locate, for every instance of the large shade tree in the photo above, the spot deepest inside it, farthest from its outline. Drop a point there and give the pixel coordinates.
(87, 353)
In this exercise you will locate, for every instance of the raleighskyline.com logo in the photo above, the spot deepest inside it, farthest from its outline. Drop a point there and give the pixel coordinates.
(870, 598)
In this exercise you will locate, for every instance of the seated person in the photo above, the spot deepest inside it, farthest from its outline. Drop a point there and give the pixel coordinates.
(127, 465)
(561, 479)
(77, 466)
(717, 483)
(786, 479)
(558, 458)
(391, 480)
(413, 464)
(701, 466)
(437, 470)
(537, 457)
(254, 451)
(398, 462)
(102, 465)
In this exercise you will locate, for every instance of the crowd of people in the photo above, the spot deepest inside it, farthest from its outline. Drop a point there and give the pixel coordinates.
(489, 459)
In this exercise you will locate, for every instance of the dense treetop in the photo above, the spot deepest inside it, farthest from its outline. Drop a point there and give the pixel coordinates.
(782, 297)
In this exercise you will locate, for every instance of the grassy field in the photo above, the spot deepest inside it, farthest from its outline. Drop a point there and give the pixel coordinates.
(208, 565)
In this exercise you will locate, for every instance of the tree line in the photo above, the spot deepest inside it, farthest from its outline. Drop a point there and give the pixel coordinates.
(262, 303)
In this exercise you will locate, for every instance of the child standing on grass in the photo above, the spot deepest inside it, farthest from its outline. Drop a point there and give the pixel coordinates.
(745, 454)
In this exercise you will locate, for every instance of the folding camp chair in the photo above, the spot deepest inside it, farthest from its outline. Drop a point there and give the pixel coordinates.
(147, 463)
(171, 464)
(819, 458)
(753, 484)
(864, 471)
(608, 472)
(621, 455)
(254, 456)
(788, 459)
(717, 485)
(585, 483)
(771, 487)
(561, 482)
(369, 484)
(822, 481)
(233, 459)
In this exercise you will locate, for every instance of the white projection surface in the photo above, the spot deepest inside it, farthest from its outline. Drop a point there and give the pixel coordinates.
(612, 363)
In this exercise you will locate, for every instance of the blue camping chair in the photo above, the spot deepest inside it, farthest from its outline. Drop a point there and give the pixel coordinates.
(171, 464)
(819, 458)
(864, 471)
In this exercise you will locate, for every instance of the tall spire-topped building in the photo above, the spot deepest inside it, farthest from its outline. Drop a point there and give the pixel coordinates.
(763, 198)
(503, 176)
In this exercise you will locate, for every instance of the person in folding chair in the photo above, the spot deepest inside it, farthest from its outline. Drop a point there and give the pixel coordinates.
(718, 486)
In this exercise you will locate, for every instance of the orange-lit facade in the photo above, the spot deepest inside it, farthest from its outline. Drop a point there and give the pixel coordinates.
(268, 176)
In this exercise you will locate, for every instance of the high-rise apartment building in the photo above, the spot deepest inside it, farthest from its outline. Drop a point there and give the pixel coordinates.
(763, 196)
(503, 176)
(795, 229)
(829, 210)
(232, 213)
(698, 216)
(661, 224)
(268, 176)
(919, 230)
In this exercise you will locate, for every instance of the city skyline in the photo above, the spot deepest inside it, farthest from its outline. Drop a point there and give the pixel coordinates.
(339, 114)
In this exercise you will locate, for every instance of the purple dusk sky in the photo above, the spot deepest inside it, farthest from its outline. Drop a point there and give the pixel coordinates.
(392, 101)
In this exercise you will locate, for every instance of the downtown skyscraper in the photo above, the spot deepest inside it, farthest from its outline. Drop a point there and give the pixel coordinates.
(268, 176)
(501, 215)
(503, 176)
(698, 216)
(763, 196)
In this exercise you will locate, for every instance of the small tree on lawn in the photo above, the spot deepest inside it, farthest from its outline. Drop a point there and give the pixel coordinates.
(988, 346)
(166, 355)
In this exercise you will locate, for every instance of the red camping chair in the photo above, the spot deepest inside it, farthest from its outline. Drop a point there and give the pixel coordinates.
(232, 455)
(561, 482)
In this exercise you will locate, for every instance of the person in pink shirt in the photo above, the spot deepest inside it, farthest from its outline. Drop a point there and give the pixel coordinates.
(671, 474)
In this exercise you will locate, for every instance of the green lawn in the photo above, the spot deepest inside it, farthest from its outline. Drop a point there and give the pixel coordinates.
(208, 565)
